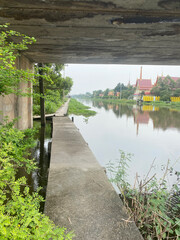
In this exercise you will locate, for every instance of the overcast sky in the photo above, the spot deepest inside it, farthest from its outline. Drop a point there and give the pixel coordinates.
(90, 77)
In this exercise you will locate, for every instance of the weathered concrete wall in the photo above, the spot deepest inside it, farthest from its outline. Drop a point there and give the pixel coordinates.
(17, 106)
(103, 31)
(8, 107)
(24, 104)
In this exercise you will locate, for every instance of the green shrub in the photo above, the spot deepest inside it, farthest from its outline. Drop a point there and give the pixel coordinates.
(19, 210)
(53, 101)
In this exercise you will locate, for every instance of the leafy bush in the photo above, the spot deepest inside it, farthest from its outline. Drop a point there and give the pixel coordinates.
(53, 101)
(19, 210)
(154, 208)
(56, 87)
(9, 51)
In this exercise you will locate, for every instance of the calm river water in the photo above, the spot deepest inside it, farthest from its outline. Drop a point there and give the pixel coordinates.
(146, 132)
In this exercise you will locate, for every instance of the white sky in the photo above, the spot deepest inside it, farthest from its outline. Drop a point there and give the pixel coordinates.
(90, 77)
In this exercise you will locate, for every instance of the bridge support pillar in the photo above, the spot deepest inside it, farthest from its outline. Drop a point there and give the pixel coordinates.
(17, 106)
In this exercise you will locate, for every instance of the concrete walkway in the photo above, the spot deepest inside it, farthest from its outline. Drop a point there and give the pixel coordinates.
(79, 195)
(62, 111)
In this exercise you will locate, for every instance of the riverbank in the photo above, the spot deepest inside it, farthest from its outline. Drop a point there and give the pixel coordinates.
(112, 100)
(155, 217)
(78, 108)
(171, 105)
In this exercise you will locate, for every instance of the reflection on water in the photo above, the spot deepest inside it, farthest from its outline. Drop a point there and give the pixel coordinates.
(41, 155)
(147, 132)
(162, 118)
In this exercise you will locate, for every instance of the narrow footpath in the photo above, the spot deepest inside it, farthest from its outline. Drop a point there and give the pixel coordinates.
(61, 112)
(79, 194)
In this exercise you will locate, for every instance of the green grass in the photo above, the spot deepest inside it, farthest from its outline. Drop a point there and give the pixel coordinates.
(113, 100)
(171, 105)
(78, 108)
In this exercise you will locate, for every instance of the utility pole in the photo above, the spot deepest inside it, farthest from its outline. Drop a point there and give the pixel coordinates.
(41, 91)
(120, 91)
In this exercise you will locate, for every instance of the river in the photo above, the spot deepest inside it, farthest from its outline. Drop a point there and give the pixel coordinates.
(146, 132)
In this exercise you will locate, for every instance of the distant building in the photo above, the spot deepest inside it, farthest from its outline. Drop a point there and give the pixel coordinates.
(101, 95)
(142, 86)
(117, 94)
(175, 79)
(110, 93)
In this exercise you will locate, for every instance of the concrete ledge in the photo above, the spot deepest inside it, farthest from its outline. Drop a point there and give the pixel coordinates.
(79, 195)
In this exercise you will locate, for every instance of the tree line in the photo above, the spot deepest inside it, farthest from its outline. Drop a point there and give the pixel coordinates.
(166, 88)
(120, 91)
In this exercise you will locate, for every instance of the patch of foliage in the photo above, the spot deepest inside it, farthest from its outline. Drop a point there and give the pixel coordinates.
(78, 108)
(154, 208)
(166, 88)
(20, 217)
(9, 51)
(115, 100)
(19, 210)
(56, 87)
(119, 92)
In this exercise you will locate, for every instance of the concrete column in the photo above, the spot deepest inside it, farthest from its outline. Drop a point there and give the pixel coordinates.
(16, 106)
(7, 106)
(24, 104)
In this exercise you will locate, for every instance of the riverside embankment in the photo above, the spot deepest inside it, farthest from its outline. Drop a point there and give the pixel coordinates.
(79, 194)
(164, 104)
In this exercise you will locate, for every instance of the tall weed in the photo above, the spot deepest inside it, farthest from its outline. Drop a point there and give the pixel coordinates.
(154, 208)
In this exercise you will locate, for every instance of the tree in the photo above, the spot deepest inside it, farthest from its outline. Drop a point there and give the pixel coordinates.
(155, 91)
(177, 83)
(176, 93)
(165, 88)
(41, 91)
(106, 92)
(119, 87)
(127, 92)
(97, 92)
(88, 95)
(55, 87)
(9, 51)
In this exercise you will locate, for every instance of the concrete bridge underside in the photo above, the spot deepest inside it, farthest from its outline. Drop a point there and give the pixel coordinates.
(103, 31)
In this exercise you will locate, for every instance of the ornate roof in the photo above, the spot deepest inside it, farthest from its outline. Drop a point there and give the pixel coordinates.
(144, 84)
